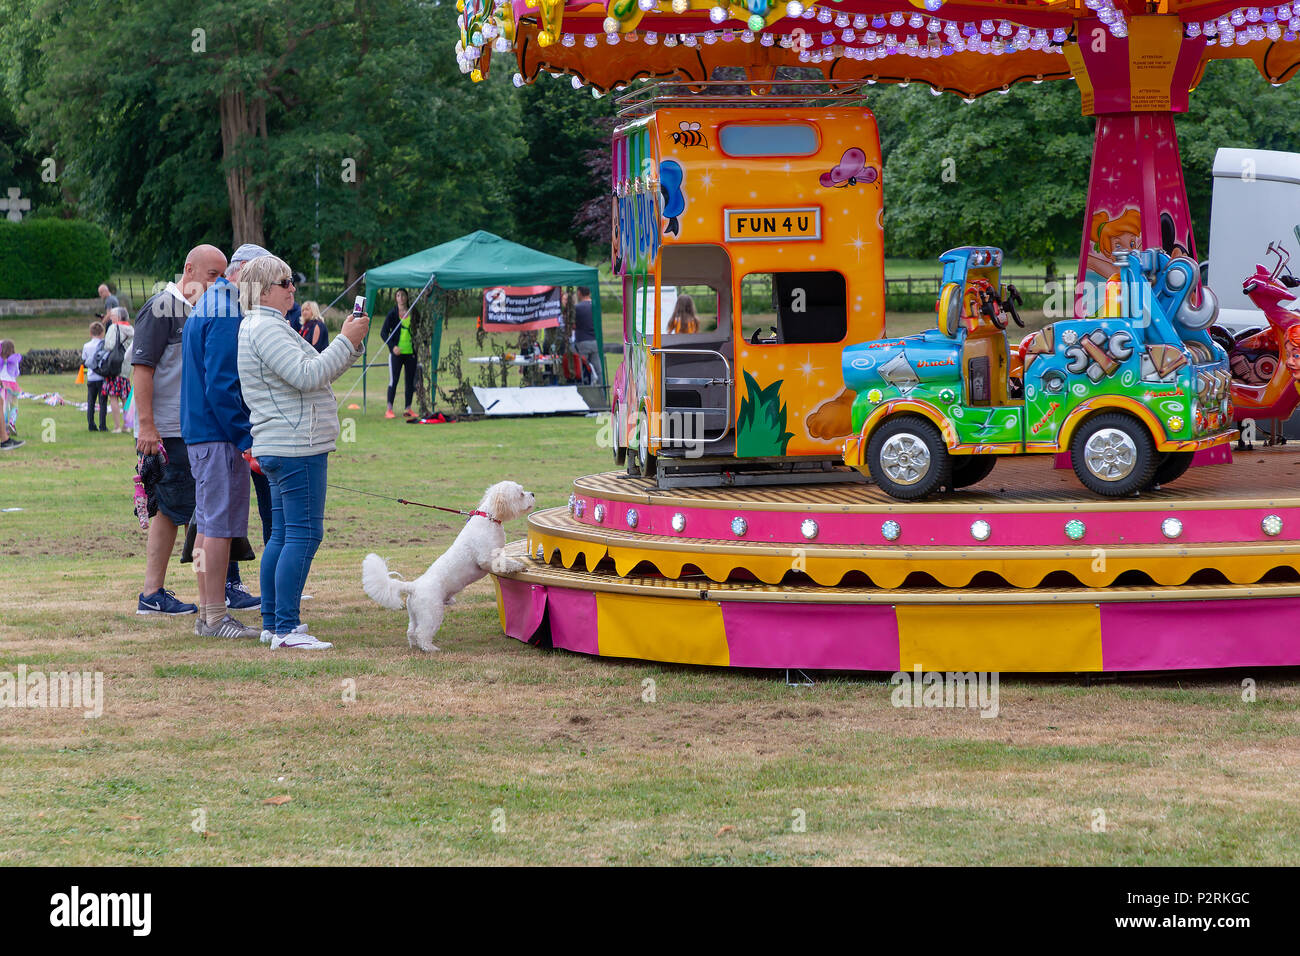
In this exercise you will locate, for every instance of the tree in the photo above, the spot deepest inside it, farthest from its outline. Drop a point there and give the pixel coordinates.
(410, 153)
(560, 126)
(343, 123)
(1008, 170)
(1233, 106)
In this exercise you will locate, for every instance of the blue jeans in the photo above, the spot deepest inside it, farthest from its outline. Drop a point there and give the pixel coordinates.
(297, 528)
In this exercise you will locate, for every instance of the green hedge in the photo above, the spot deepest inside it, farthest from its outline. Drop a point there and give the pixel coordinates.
(52, 259)
(50, 361)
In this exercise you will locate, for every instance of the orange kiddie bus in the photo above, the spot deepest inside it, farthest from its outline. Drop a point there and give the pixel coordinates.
(748, 237)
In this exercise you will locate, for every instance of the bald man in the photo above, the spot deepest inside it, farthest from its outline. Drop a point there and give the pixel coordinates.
(156, 377)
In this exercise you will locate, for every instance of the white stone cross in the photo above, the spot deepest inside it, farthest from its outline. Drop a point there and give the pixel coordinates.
(14, 205)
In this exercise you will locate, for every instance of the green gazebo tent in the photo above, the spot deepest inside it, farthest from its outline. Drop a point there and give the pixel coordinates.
(480, 260)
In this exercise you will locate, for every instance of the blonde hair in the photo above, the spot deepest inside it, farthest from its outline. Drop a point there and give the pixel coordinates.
(310, 310)
(1104, 229)
(256, 275)
(684, 319)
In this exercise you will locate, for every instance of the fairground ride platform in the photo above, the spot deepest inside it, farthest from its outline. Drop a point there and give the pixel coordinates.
(1024, 572)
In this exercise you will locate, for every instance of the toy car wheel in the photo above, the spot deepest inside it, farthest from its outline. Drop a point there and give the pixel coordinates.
(971, 469)
(1172, 466)
(908, 459)
(1113, 455)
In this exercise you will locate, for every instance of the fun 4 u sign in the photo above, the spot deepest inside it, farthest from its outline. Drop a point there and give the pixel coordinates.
(772, 225)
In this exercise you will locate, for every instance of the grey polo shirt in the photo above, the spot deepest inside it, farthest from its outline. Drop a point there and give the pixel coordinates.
(157, 344)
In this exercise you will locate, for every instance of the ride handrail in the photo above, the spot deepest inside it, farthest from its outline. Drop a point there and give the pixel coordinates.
(646, 97)
(728, 381)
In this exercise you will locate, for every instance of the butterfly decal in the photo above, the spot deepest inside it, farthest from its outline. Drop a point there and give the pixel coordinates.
(851, 170)
(670, 187)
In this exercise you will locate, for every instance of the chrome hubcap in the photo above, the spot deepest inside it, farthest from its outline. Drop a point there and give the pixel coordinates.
(1110, 454)
(905, 458)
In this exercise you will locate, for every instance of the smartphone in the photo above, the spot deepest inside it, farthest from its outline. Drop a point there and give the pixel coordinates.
(359, 307)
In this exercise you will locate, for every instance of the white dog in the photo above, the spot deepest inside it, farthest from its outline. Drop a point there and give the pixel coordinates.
(475, 552)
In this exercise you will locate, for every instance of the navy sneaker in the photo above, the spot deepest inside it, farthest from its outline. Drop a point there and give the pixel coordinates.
(238, 598)
(163, 601)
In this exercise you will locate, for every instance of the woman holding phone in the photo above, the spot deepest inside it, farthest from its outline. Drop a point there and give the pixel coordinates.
(295, 422)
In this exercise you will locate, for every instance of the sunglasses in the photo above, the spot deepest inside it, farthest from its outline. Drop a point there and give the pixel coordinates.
(284, 283)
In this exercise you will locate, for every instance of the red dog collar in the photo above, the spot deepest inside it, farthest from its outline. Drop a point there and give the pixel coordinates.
(484, 514)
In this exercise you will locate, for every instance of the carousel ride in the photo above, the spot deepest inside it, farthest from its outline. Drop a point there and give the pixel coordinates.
(799, 490)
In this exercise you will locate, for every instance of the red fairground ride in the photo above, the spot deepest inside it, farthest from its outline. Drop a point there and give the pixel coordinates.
(1263, 388)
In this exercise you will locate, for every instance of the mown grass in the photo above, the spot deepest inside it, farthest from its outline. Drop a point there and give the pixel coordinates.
(496, 752)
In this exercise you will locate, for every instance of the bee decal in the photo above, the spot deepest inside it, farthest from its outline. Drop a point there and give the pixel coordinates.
(688, 134)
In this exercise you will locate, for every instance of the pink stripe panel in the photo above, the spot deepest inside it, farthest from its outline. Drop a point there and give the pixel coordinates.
(1014, 529)
(1197, 634)
(1218, 455)
(573, 620)
(829, 636)
(524, 605)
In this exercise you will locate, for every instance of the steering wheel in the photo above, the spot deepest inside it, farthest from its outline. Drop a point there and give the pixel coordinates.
(990, 308)
(985, 299)
(1012, 300)
(754, 340)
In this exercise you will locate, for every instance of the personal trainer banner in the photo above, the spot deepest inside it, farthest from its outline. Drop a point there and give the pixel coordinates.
(517, 308)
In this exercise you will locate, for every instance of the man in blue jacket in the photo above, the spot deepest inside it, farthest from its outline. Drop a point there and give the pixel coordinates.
(215, 426)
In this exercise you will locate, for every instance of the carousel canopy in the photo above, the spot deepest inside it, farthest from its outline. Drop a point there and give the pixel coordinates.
(967, 47)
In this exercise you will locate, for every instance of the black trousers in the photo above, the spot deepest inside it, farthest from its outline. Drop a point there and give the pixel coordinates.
(95, 393)
(396, 363)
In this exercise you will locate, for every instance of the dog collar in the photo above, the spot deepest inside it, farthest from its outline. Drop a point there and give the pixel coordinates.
(484, 514)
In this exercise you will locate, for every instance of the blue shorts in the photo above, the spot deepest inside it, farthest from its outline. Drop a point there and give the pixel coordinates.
(221, 483)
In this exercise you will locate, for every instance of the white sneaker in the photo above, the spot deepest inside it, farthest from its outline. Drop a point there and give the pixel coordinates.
(268, 636)
(300, 642)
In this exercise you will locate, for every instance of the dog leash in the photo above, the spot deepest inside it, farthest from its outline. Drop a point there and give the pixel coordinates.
(419, 504)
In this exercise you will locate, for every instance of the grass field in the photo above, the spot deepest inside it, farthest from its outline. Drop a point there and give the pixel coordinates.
(493, 751)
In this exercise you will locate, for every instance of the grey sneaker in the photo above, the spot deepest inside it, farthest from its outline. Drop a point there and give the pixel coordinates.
(227, 627)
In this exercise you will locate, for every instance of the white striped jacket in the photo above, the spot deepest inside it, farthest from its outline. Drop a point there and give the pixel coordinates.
(286, 386)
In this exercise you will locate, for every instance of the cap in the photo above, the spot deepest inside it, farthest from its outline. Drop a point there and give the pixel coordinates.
(247, 253)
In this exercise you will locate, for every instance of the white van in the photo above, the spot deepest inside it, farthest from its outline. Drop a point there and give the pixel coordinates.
(1256, 201)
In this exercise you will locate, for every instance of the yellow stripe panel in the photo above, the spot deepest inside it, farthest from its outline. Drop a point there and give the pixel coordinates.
(1014, 637)
(501, 604)
(890, 572)
(647, 628)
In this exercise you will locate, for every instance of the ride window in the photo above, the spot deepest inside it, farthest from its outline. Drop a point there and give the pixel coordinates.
(793, 308)
(753, 139)
(702, 272)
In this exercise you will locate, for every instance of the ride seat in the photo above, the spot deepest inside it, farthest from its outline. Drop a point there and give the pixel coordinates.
(984, 366)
